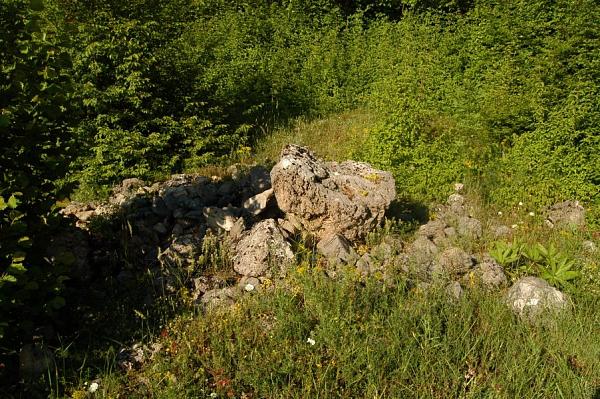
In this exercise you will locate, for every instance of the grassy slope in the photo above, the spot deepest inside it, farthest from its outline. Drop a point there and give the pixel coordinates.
(372, 339)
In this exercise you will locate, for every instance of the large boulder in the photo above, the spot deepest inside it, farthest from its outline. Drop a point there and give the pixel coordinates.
(531, 296)
(348, 198)
(262, 251)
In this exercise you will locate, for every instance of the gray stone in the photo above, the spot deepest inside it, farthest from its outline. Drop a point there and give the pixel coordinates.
(531, 296)
(183, 251)
(365, 265)
(257, 204)
(502, 232)
(336, 248)
(262, 251)
(432, 229)
(454, 290)
(589, 247)
(469, 227)
(567, 214)
(159, 207)
(219, 218)
(453, 262)
(421, 254)
(219, 297)
(488, 273)
(249, 284)
(348, 198)
(194, 215)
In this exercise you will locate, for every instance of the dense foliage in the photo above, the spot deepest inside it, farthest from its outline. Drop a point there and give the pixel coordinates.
(34, 104)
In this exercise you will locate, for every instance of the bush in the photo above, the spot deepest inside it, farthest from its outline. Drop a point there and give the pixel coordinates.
(34, 105)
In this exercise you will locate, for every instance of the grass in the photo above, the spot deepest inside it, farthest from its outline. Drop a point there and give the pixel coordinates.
(334, 138)
(370, 340)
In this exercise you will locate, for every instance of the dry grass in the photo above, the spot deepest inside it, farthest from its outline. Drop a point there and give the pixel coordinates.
(334, 138)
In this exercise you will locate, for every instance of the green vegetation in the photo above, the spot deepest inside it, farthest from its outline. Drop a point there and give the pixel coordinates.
(502, 96)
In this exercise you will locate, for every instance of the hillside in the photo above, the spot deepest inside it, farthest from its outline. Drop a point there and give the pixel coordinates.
(145, 159)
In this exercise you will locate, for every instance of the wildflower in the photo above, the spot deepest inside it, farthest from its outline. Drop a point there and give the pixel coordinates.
(499, 213)
(531, 214)
(514, 226)
(93, 387)
(520, 203)
(311, 341)
(249, 287)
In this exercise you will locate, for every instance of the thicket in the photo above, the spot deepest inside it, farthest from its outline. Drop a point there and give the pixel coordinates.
(35, 95)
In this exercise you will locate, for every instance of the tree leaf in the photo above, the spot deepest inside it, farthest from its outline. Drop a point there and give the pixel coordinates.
(13, 202)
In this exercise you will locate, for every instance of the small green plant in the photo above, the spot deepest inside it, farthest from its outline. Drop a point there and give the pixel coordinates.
(555, 267)
(546, 262)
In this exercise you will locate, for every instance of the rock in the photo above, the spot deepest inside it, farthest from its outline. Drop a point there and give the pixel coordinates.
(256, 181)
(348, 198)
(131, 184)
(257, 204)
(336, 248)
(453, 262)
(71, 248)
(589, 247)
(569, 214)
(456, 202)
(488, 274)
(432, 229)
(454, 290)
(219, 297)
(262, 250)
(249, 284)
(422, 253)
(469, 227)
(182, 252)
(502, 232)
(531, 296)
(365, 265)
(131, 358)
(220, 218)
(159, 207)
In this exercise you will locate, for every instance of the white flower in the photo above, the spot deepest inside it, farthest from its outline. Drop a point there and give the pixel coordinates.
(249, 287)
(311, 341)
(93, 387)
(520, 203)
(514, 226)
(499, 213)
(531, 214)
(213, 395)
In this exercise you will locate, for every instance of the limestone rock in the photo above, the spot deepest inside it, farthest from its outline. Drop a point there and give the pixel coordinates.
(421, 255)
(348, 198)
(257, 204)
(336, 248)
(452, 262)
(469, 227)
(530, 296)
(220, 218)
(566, 214)
(219, 297)
(489, 274)
(262, 250)
(182, 251)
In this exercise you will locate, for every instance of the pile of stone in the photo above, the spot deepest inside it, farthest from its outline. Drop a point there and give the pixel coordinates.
(257, 213)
